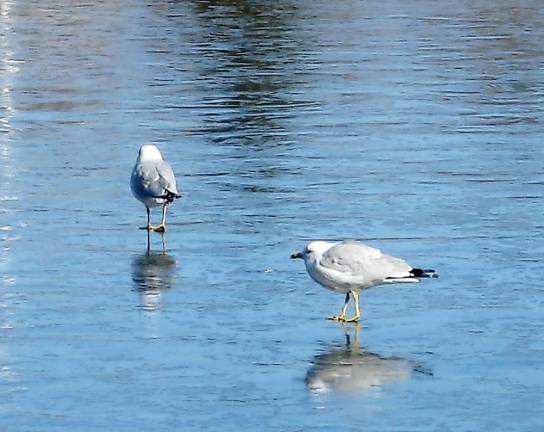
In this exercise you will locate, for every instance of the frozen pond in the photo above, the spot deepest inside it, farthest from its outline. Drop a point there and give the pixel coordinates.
(415, 125)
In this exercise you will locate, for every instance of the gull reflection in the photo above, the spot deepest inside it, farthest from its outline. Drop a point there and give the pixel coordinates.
(348, 369)
(152, 273)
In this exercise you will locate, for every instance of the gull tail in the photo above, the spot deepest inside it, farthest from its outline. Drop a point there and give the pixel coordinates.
(168, 196)
(423, 273)
(415, 275)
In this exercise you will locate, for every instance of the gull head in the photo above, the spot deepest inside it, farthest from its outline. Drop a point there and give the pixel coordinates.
(149, 152)
(312, 252)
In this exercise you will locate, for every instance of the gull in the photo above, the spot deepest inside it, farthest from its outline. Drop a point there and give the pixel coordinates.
(153, 183)
(350, 266)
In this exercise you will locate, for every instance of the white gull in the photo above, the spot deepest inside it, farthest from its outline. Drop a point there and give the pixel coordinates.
(153, 183)
(350, 266)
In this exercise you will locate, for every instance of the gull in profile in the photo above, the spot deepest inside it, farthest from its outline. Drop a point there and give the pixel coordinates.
(350, 266)
(153, 183)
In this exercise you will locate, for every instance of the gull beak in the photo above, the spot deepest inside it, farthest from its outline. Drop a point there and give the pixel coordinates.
(296, 255)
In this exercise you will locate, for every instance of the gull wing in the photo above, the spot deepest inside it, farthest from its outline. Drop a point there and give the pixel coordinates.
(359, 260)
(153, 179)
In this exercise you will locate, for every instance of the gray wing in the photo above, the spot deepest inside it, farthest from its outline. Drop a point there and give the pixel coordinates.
(357, 259)
(153, 179)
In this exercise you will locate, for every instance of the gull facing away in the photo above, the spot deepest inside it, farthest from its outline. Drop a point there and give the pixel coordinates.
(350, 266)
(153, 183)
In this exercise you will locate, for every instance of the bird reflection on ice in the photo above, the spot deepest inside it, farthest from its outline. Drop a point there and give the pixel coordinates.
(152, 273)
(348, 369)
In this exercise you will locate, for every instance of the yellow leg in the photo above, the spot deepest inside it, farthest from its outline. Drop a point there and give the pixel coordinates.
(162, 227)
(149, 227)
(355, 318)
(342, 315)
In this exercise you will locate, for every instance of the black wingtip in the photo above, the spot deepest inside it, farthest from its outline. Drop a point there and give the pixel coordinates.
(417, 272)
(168, 196)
